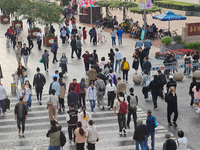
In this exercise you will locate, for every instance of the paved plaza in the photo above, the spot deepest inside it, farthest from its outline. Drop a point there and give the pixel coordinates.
(37, 123)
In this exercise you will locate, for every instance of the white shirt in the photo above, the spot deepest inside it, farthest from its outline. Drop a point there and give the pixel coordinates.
(118, 55)
(85, 120)
(40, 35)
(3, 93)
(99, 30)
(24, 93)
(54, 99)
(182, 143)
(110, 88)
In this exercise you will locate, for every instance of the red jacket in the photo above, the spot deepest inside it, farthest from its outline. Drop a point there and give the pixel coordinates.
(86, 57)
(76, 88)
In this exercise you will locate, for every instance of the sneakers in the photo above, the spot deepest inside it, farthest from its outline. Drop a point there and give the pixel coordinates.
(169, 124)
(175, 125)
(120, 133)
(198, 110)
(146, 99)
(124, 131)
(156, 109)
(40, 103)
(103, 108)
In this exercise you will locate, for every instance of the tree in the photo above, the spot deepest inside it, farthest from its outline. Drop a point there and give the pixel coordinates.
(104, 4)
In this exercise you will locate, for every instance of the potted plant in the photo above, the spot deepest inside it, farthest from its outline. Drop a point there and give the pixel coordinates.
(49, 13)
(11, 7)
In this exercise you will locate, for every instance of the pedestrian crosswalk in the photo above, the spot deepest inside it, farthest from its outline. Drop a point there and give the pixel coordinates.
(38, 124)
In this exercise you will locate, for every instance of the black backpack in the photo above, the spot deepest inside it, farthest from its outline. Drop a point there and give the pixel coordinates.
(62, 139)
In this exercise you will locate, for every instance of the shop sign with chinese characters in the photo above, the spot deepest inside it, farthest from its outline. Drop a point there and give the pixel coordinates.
(193, 29)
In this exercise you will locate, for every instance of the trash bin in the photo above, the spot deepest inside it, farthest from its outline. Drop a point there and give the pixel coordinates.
(13, 88)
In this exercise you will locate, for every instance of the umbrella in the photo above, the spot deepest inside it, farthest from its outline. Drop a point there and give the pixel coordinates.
(169, 16)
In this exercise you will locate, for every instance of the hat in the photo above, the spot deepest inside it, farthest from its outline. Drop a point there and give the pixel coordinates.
(170, 77)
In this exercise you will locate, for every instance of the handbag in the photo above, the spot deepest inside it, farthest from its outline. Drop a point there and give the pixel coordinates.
(41, 60)
(49, 103)
(24, 73)
(156, 124)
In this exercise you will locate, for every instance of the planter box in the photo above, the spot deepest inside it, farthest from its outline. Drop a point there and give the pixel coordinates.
(175, 46)
(47, 41)
(34, 32)
(5, 19)
(16, 24)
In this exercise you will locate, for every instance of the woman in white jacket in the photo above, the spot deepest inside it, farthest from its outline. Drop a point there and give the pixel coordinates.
(84, 117)
(182, 141)
(91, 95)
(110, 91)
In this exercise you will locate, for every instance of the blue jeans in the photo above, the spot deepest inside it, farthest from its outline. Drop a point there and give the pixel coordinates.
(54, 147)
(113, 41)
(118, 62)
(152, 141)
(141, 143)
(92, 104)
(29, 102)
(22, 80)
(112, 64)
(2, 106)
(120, 40)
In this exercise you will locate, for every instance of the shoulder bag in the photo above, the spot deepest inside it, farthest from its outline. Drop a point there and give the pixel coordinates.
(49, 103)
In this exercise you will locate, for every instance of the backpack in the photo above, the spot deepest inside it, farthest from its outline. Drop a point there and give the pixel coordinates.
(100, 89)
(163, 79)
(133, 102)
(147, 82)
(125, 66)
(90, 32)
(62, 139)
(123, 107)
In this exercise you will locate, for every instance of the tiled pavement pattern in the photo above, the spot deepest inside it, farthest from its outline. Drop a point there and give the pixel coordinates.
(37, 126)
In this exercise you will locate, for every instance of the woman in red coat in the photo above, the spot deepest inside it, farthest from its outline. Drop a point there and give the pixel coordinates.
(84, 34)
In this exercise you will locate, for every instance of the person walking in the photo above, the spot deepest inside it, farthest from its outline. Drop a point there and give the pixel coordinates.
(154, 87)
(54, 49)
(63, 63)
(99, 34)
(84, 35)
(74, 47)
(169, 143)
(52, 105)
(23, 93)
(25, 52)
(139, 43)
(19, 39)
(181, 143)
(79, 47)
(142, 57)
(62, 95)
(125, 69)
(86, 57)
(30, 41)
(92, 74)
(54, 135)
(92, 135)
(146, 79)
(75, 85)
(83, 91)
(72, 118)
(196, 90)
(112, 76)
(20, 70)
(20, 116)
(111, 92)
(91, 96)
(29, 87)
(100, 86)
(3, 95)
(135, 64)
(113, 37)
(121, 86)
(56, 86)
(63, 34)
(91, 35)
(72, 97)
(147, 65)
(191, 93)
(39, 39)
(18, 53)
(111, 56)
(172, 107)
(121, 108)
(45, 57)
(171, 82)
(147, 46)
(119, 35)
(80, 134)
(132, 108)
(139, 135)
(163, 81)
(94, 35)
(118, 57)
(150, 123)
(39, 81)
(84, 117)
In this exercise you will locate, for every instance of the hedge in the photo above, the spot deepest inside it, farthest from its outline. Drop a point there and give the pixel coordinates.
(178, 5)
(194, 46)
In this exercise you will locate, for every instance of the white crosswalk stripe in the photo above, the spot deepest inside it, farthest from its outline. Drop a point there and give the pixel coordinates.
(38, 124)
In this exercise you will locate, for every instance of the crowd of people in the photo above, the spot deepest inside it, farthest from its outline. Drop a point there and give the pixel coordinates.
(103, 83)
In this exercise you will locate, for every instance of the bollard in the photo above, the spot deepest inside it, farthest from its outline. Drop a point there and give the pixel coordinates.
(87, 82)
(13, 88)
(137, 79)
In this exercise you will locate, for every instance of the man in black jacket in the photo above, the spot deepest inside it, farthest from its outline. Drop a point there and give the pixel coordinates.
(147, 65)
(171, 83)
(102, 76)
(25, 52)
(74, 47)
(72, 97)
(30, 41)
(142, 56)
(20, 115)
(163, 81)
(169, 143)
(72, 118)
(39, 82)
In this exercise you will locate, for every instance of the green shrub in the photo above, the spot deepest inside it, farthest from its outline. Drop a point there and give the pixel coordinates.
(194, 46)
(178, 5)
(166, 40)
(177, 39)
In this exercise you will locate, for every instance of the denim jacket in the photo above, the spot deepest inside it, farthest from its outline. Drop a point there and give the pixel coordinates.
(150, 123)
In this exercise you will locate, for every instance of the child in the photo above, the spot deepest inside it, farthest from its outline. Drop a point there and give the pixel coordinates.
(8, 42)
(15, 79)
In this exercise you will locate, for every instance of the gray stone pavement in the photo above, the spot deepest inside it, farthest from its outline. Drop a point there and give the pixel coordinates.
(37, 123)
